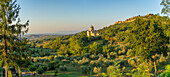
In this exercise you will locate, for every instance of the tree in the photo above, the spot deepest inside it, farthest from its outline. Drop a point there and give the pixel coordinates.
(147, 39)
(95, 48)
(106, 50)
(76, 46)
(63, 50)
(14, 46)
(166, 8)
(56, 44)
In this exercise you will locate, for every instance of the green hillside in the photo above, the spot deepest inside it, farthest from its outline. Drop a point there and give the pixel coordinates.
(110, 54)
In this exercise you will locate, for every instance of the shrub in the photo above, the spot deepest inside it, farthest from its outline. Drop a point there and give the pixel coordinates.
(113, 54)
(142, 70)
(31, 68)
(35, 60)
(100, 57)
(109, 70)
(40, 70)
(122, 57)
(162, 59)
(128, 52)
(84, 61)
(132, 62)
(92, 62)
(166, 73)
(94, 57)
(51, 57)
(44, 67)
(51, 65)
(97, 70)
(114, 71)
(63, 68)
(108, 62)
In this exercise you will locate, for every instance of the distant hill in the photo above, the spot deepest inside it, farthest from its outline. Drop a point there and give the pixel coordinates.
(40, 36)
(49, 35)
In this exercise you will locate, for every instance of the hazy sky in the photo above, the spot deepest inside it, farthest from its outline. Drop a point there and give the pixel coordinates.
(51, 16)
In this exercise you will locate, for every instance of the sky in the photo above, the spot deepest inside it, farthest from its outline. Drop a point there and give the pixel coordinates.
(52, 16)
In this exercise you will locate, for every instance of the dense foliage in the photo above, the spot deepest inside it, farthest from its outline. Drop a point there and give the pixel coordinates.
(122, 49)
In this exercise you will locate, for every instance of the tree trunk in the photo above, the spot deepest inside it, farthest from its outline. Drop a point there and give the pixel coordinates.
(5, 52)
(155, 67)
(20, 73)
(80, 52)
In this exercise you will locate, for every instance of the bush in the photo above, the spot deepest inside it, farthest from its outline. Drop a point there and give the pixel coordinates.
(108, 62)
(44, 67)
(31, 68)
(84, 61)
(113, 54)
(92, 62)
(128, 52)
(132, 62)
(142, 70)
(94, 57)
(40, 70)
(122, 57)
(51, 65)
(51, 57)
(114, 71)
(97, 70)
(162, 59)
(166, 73)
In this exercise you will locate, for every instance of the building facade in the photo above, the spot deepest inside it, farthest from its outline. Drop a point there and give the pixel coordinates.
(92, 32)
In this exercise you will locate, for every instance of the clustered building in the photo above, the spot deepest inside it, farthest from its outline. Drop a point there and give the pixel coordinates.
(92, 32)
